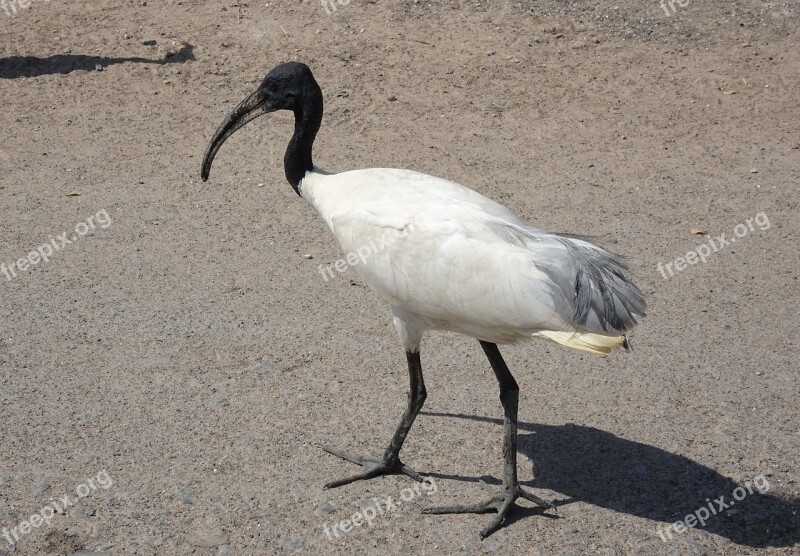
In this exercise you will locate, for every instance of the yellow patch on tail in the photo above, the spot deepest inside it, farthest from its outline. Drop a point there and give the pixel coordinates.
(595, 343)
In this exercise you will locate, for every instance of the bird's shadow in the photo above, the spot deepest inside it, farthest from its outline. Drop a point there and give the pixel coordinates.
(594, 466)
(15, 67)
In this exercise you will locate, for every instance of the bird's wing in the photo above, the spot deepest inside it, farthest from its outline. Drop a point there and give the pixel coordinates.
(445, 252)
(458, 265)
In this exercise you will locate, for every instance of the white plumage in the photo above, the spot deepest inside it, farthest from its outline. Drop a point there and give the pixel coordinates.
(445, 257)
(448, 258)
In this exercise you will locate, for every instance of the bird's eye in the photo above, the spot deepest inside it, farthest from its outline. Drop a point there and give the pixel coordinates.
(272, 87)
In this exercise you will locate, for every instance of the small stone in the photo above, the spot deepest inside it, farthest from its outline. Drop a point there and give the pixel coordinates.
(66, 51)
(324, 508)
(307, 256)
(292, 545)
(207, 538)
(754, 171)
(538, 39)
(41, 490)
(188, 497)
(559, 35)
(147, 42)
(263, 368)
(98, 67)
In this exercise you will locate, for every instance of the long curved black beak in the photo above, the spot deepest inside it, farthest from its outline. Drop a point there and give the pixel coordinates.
(248, 110)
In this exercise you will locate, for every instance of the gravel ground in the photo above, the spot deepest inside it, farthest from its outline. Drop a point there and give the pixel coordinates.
(171, 366)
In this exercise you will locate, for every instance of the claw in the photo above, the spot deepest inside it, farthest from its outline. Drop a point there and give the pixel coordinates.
(373, 467)
(500, 503)
(536, 500)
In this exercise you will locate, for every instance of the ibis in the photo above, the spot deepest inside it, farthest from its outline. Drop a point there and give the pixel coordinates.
(445, 257)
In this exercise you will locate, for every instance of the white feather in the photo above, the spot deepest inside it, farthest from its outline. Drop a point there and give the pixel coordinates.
(445, 257)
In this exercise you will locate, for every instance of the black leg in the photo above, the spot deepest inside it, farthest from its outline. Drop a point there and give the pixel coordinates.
(503, 501)
(390, 463)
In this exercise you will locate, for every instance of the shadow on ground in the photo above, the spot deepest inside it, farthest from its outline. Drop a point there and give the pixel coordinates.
(594, 466)
(15, 67)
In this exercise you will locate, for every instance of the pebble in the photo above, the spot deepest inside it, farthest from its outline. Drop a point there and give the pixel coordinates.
(324, 509)
(263, 368)
(207, 538)
(307, 256)
(41, 490)
(754, 171)
(292, 545)
(539, 39)
(148, 42)
(188, 497)
(98, 67)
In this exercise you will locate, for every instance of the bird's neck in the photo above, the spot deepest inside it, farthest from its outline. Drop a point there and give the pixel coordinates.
(307, 119)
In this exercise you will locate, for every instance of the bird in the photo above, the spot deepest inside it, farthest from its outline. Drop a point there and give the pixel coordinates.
(445, 257)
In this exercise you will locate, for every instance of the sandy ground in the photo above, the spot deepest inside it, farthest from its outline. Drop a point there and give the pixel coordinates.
(171, 369)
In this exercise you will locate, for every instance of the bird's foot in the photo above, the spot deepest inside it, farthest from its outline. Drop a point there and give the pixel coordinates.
(502, 502)
(373, 467)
